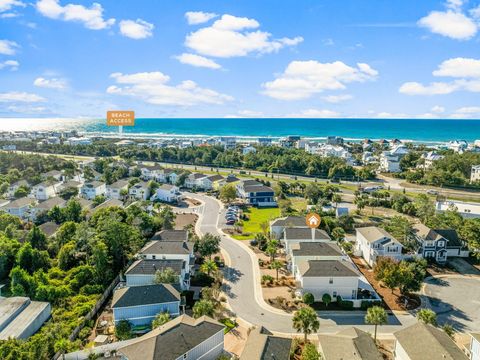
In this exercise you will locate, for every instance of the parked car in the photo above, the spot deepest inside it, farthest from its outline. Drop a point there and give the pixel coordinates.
(432, 192)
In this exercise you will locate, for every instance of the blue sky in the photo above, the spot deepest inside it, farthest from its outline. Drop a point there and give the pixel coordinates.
(171, 58)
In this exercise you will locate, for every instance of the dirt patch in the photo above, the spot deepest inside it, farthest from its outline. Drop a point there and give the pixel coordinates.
(192, 202)
(183, 220)
(235, 340)
(393, 300)
(435, 270)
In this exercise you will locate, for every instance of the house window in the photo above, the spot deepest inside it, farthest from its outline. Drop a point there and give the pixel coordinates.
(441, 243)
(330, 281)
(185, 355)
(429, 243)
(154, 257)
(334, 294)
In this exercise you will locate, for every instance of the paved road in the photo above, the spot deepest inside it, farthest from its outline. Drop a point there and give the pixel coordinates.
(244, 291)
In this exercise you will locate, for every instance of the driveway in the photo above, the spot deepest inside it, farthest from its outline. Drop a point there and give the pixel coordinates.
(245, 294)
(456, 300)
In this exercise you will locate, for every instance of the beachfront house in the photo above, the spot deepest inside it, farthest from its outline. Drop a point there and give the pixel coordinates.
(255, 193)
(117, 189)
(140, 304)
(373, 242)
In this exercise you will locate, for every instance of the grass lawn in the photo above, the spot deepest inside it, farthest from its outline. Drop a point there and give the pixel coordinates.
(256, 217)
(299, 203)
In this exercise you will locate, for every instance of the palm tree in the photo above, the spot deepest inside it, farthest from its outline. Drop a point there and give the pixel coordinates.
(208, 267)
(203, 307)
(271, 250)
(376, 315)
(160, 319)
(305, 320)
(276, 265)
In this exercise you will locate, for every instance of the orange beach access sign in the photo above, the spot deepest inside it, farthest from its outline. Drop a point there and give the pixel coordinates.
(120, 118)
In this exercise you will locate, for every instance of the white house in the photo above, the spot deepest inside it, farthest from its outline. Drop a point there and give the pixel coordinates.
(333, 277)
(429, 158)
(150, 172)
(466, 210)
(45, 207)
(44, 190)
(418, 340)
(74, 141)
(249, 149)
(140, 191)
(293, 236)
(92, 189)
(194, 180)
(475, 174)
(167, 193)
(306, 251)
(20, 207)
(389, 163)
(458, 146)
(12, 189)
(114, 191)
(372, 242)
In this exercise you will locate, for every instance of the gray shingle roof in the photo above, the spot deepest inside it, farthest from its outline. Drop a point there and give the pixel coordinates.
(171, 235)
(426, 342)
(257, 188)
(150, 267)
(118, 184)
(316, 249)
(144, 295)
(373, 233)
(327, 268)
(20, 203)
(296, 221)
(265, 347)
(167, 247)
(50, 203)
(351, 344)
(305, 234)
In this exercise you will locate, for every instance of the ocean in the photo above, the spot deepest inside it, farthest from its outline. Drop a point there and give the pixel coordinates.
(429, 131)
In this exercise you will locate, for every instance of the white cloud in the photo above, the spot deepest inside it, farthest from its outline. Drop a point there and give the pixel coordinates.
(302, 79)
(152, 88)
(138, 29)
(453, 22)
(8, 47)
(91, 17)
(52, 83)
(468, 110)
(230, 36)
(437, 109)
(459, 67)
(23, 97)
(6, 5)
(337, 98)
(387, 115)
(436, 88)
(250, 113)
(197, 60)
(466, 72)
(199, 17)
(10, 64)
(316, 113)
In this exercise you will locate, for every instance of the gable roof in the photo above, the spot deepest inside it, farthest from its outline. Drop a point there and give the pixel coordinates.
(19, 203)
(119, 184)
(327, 268)
(417, 338)
(309, 248)
(305, 234)
(150, 267)
(426, 233)
(50, 203)
(214, 178)
(173, 339)
(167, 247)
(49, 228)
(257, 188)
(144, 295)
(293, 221)
(171, 235)
(263, 346)
(373, 233)
(351, 344)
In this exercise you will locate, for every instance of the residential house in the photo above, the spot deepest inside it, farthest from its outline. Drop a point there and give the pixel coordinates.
(171, 235)
(143, 271)
(458, 146)
(12, 189)
(179, 339)
(425, 342)
(230, 179)
(75, 141)
(20, 207)
(277, 226)
(151, 172)
(372, 242)
(193, 181)
(264, 141)
(92, 189)
(53, 174)
(44, 190)
(293, 236)
(350, 343)
(334, 140)
(140, 191)
(262, 345)
(333, 277)
(390, 160)
(248, 149)
(167, 193)
(109, 203)
(140, 304)
(115, 190)
(437, 244)
(49, 228)
(475, 346)
(228, 142)
(475, 174)
(255, 193)
(428, 159)
(45, 206)
(465, 209)
(305, 251)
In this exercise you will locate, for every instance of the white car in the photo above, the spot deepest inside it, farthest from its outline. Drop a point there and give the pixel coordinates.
(432, 192)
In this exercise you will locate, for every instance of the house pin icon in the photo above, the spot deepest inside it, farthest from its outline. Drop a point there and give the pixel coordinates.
(313, 220)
